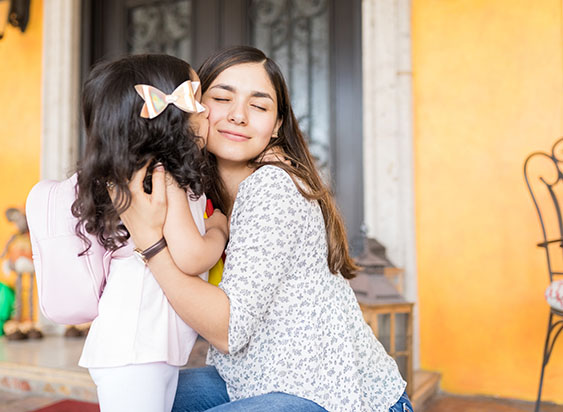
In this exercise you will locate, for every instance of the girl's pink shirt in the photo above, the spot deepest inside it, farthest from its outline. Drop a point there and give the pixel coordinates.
(136, 323)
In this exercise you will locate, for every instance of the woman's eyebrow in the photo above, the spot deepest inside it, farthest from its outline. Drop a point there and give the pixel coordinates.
(262, 94)
(224, 87)
(231, 89)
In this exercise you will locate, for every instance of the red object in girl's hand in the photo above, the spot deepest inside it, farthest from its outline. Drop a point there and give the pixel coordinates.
(209, 208)
(209, 211)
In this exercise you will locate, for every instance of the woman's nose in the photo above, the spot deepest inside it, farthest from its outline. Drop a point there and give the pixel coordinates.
(237, 115)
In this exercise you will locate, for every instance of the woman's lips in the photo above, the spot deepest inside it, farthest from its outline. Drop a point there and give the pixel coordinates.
(236, 137)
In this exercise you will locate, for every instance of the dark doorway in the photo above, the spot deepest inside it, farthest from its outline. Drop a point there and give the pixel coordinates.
(317, 43)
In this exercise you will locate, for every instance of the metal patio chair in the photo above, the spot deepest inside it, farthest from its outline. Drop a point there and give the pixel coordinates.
(544, 177)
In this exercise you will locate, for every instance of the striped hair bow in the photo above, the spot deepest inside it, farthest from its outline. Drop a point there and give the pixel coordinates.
(156, 101)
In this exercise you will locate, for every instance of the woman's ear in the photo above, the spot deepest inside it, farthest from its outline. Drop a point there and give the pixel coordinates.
(277, 128)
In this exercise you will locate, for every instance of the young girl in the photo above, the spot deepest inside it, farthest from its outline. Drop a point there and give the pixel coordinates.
(143, 113)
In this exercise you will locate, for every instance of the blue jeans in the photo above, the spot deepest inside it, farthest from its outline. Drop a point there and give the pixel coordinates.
(402, 405)
(202, 389)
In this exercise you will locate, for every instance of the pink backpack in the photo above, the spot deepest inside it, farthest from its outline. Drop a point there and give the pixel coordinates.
(69, 286)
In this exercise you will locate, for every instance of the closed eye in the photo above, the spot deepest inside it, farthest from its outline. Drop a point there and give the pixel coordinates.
(259, 107)
(220, 99)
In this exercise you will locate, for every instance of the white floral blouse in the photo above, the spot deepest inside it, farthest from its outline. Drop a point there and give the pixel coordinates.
(294, 326)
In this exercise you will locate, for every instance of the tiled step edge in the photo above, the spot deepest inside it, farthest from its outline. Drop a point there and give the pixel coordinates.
(78, 385)
(36, 380)
(426, 385)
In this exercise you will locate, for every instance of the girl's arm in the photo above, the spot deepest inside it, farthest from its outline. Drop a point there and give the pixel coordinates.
(192, 252)
(203, 306)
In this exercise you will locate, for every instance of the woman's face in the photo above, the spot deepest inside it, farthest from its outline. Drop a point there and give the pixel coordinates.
(199, 121)
(242, 113)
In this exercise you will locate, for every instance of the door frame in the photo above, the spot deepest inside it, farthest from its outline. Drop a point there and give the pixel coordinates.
(388, 165)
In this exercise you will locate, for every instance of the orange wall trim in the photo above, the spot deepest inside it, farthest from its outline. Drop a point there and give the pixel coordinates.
(488, 90)
(20, 117)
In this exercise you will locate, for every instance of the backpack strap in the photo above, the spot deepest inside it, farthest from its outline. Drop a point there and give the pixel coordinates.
(69, 286)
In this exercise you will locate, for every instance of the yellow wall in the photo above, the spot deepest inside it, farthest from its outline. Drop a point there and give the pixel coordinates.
(20, 117)
(488, 90)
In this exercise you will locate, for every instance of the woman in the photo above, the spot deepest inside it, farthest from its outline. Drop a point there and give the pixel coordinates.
(285, 329)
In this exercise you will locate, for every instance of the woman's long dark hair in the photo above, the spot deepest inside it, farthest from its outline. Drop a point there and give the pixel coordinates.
(295, 149)
(120, 142)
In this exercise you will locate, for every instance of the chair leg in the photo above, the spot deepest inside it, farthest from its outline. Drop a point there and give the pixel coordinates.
(548, 348)
(544, 362)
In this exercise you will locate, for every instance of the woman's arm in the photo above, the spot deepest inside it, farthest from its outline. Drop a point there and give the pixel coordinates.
(192, 252)
(203, 306)
(268, 227)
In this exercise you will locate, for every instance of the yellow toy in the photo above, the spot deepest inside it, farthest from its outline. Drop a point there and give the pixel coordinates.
(18, 259)
(216, 272)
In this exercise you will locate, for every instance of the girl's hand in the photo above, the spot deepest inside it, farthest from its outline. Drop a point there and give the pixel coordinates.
(144, 218)
(218, 221)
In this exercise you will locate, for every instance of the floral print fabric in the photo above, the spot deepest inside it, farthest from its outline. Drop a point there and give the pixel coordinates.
(294, 326)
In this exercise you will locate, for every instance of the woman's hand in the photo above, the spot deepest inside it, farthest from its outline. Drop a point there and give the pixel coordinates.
(274, 154)
(145, 216)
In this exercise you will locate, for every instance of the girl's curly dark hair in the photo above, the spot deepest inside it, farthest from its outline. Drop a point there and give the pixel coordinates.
(120, 141)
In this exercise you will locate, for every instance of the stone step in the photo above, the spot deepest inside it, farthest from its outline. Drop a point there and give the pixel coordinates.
(49, 367)
(42, 381)
(64, 383)
(426, 386)
(45, 367)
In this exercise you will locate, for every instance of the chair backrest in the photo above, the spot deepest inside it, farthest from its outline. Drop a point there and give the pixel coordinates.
(544, 177)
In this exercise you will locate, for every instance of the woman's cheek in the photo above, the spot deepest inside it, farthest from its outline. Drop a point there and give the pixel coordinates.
(216, 114)
(212, 141)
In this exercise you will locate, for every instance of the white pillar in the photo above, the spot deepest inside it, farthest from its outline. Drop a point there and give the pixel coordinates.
(60, 97)
(61, 86)
(388, 137)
